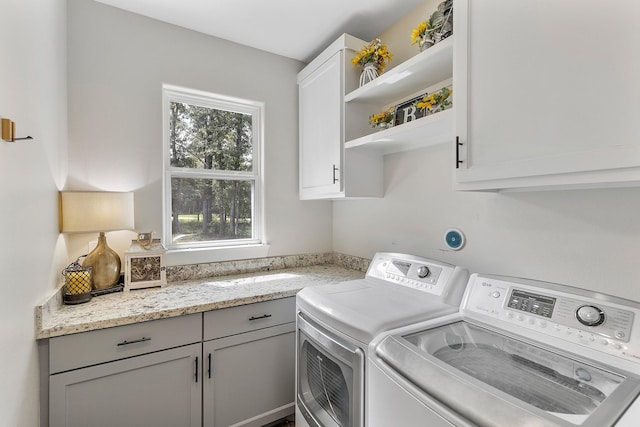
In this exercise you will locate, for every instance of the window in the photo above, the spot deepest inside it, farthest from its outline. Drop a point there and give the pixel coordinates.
(212, 174)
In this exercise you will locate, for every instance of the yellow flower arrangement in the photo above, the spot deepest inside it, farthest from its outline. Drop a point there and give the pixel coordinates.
(376, 52)
(424, 31)
(418, 32)
(436, 101)
(386, 117)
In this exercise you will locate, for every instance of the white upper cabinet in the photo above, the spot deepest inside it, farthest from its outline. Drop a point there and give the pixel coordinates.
(320, 129)
(547, 93)
(326, 171)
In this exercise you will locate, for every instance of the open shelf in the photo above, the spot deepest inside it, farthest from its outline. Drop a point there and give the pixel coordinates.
(423, 70)
(424, 132)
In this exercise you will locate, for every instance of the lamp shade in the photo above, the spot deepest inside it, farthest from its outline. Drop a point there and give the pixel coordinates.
(82, 212)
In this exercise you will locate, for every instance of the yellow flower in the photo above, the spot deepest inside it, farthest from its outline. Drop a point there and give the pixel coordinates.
(437, 100)
(418, 32)
(426, 27)
(375, 52)
(383, 117)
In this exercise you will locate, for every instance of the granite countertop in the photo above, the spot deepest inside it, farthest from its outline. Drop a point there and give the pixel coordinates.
(180, 298)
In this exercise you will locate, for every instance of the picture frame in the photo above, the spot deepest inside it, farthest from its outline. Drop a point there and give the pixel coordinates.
(407, 112)
(145, 266)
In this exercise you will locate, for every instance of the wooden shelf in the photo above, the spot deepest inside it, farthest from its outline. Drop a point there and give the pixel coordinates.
(423, 70)
(424, 132)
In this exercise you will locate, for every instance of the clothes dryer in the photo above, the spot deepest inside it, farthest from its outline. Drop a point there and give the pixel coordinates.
(336, 323)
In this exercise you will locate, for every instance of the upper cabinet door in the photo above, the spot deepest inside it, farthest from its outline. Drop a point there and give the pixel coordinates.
(326, 171)
(321, 130)
(547, 93)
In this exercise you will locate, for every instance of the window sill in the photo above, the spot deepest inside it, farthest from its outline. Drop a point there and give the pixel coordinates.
(215, 254)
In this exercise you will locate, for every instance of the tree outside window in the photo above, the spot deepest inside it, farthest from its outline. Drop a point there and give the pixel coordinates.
(212, 179)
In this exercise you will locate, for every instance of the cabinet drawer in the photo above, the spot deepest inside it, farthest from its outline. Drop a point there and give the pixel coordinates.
(90, 348)
(244, 318)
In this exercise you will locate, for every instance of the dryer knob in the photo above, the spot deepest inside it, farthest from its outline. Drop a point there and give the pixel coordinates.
(423, 271)
(590, 315)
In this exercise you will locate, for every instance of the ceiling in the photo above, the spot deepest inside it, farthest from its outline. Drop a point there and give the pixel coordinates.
(298, 29)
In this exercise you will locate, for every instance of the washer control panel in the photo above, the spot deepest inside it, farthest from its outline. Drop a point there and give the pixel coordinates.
(541, 305)
(584, 315)
(605, 324)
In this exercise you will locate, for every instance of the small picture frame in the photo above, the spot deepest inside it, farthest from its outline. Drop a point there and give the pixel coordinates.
(145, 266)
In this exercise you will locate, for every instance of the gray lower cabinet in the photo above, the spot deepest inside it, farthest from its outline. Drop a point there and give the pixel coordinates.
(160, 373)
(145, 374)
(157, 389)
(249, 364)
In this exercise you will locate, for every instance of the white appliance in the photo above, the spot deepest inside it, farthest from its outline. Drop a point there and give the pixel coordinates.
(337, 322)
(518, 353)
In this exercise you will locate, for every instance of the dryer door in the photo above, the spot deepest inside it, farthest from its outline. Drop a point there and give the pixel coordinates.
(329, 378)
(493, 379)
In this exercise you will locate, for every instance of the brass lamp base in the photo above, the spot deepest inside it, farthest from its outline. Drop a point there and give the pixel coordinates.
(105, 264)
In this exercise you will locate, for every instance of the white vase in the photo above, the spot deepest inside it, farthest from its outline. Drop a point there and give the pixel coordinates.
(383, 125)
(426, 44)
(369, 73)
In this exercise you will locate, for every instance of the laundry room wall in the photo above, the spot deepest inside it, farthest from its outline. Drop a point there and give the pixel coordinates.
(117, 64)
(32, 251)
(584, 238)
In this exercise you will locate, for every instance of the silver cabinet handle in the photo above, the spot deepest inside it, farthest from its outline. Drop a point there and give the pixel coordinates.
(335, 169)
(125, 342)
(264, 316)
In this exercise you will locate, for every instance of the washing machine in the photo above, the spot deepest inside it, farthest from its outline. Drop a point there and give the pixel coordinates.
(518, 353)
(336, 323)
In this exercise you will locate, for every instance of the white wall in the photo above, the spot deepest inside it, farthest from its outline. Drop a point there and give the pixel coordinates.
(585, 238)
(117, 64)
(32, 254)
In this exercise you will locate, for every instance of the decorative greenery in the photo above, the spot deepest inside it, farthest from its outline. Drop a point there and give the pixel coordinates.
(375, 52)
(424, 31)
(436, 101)
(376, 120)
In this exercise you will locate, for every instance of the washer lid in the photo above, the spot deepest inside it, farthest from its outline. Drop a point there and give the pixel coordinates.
(492, 379)
(364, 308)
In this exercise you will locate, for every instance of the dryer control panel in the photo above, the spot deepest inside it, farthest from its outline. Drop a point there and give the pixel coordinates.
(418, 273)
(600, 322)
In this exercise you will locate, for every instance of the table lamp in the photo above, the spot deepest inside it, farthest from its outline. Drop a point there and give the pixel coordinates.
(82, 212)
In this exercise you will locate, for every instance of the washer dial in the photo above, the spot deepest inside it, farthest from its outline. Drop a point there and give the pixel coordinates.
(590, 315)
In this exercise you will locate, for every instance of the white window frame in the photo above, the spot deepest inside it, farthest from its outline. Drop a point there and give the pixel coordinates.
(172, 93)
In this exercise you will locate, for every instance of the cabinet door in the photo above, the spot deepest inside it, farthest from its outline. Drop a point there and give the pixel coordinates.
(321, 130)
(546, 93)
(158, 389)
(249, 379)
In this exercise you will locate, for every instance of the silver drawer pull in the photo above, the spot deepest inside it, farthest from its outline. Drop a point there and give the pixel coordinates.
(125, 342)
(264, 316)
